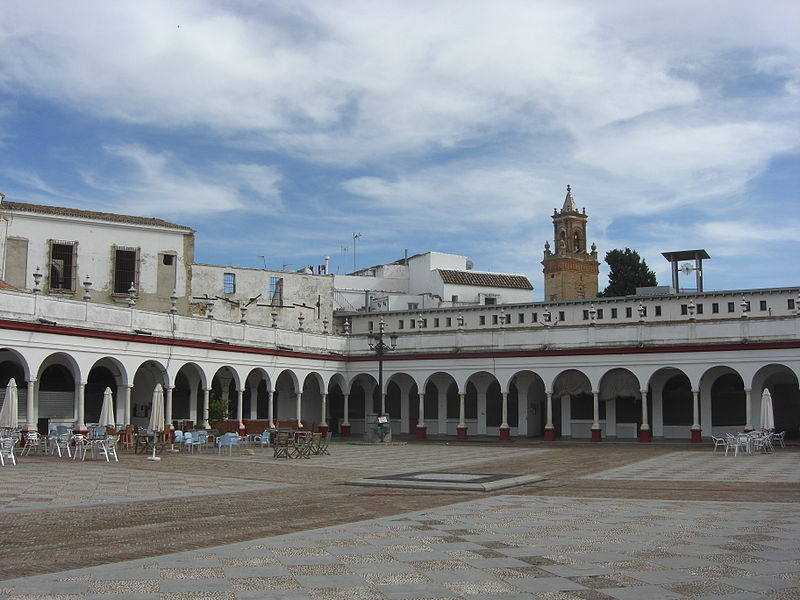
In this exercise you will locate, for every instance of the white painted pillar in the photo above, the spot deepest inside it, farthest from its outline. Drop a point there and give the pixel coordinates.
(504, 410)
(595, 410)
(270, 409)
(119, 407)
(462, 411)
(80, 425)
(206, 394)
(645, 421)
(421, 419)
(695, 409)
(549, 409)
(748, 407)
(240, 407)
(168, 406)
(299, 403)
(30, 406)
(346, 417)
(324, 412)
(127, 400)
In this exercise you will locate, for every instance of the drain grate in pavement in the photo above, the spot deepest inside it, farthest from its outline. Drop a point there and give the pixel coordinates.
(478, 482)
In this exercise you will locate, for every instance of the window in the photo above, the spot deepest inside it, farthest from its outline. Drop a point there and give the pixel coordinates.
(658, 311)
(454, 299)
(494, 319)
(228, 283)
(700, 308)
(628, 312)
(534, 317)
(63, 257)
(762, 305)
(401, 324)
(490, 301)
(790, 304)
(715, 307)
(599, 313)
(731, 307)
(449, 322)
(521, 318)
(483, 320)
(370, 325)
(276, 291)
(561, 316)
(126, 269)
(413, 305)
(412, 323)
(684, 309)
(168, 259)
(613, 313)
(436, 322)
(585, 315)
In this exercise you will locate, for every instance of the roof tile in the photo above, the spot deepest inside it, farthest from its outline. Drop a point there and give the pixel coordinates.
(519, 282)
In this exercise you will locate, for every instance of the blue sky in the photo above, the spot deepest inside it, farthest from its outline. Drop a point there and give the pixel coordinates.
(278, 129)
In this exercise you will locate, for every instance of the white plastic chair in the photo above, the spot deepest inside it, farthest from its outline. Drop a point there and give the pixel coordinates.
(778, 438)
(718, 443)
(108, 447)
(7, 451)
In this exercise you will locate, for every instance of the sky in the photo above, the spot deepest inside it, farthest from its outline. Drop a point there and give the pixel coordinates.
(278, 129)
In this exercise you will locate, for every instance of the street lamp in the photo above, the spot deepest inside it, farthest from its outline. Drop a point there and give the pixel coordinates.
(379, 347)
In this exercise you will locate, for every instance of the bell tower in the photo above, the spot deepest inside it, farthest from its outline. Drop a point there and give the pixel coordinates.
(570, 272)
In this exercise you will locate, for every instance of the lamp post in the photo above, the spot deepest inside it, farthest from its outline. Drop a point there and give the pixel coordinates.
(379, 347)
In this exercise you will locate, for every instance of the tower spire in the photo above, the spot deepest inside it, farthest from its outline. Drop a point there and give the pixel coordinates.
(569, 202)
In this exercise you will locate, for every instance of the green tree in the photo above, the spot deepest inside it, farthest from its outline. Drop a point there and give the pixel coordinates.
(627, 272)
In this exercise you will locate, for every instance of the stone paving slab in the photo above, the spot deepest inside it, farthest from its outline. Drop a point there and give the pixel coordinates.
(46, 483)
(507, 546)
(710, 466)
(394, 458)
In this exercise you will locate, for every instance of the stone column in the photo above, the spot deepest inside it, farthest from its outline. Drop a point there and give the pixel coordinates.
(596, 434)
(644, 430)
(240, 408)
(270, 409)
(80, 425)
(422, 430)
(505, 430)
(549, 428)
(119, 407)
(127, 420)
(461, 430)
(696, 430)
(344, 428)
(206, 394)
(748, 408)
(299, 403)
(323, 424)
(30, 406)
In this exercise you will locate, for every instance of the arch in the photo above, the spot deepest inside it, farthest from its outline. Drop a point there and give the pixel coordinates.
(337, 379)
(672, 402)
(146, 376)
(63, 359)
(14, 356)
(402, 401)
(576, 242)
(190, 380)
(723, 400)
(317, 378)
(363, 397)
(526, 390)
(782, 383)
(572, 391)
(225, 387)
(488, 400)
(106, 372)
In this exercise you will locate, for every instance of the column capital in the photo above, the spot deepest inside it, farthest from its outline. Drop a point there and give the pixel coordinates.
(747, 389)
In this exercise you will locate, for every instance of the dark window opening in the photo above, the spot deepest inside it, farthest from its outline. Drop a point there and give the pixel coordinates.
(561, 316)
(535, 317)
(449, 321)
(599, 313)
(168, 259)
(124, 270)
(483, 320)
(684, 309)
(490, 301)
(790, 304)
(658, 311)
(762, 305)
(229, 283)
(700, 308)
(731, 307)
(715, 307)
(62, 267)
(628, 312)
(613, 313)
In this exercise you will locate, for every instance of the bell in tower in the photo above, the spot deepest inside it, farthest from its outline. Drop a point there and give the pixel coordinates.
(570, 273)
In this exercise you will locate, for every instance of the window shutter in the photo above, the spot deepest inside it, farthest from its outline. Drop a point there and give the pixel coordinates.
(74, 273)
(138, 286)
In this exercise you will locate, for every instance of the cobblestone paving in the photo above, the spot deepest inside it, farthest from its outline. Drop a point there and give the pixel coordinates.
(42, 483)
(395, 458)
(694, 466)
(502, 547)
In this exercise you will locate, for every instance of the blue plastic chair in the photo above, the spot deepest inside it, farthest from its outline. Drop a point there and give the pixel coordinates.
(230, 440)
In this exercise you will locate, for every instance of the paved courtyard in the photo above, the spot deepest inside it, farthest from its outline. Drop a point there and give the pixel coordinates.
(501, 547)
(611, 521)
(707, 466)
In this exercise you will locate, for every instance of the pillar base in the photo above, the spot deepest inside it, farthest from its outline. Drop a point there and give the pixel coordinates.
(422, 432)
(344, 430)
(323, 429)
(697, 436)
(505, 434)
(644, 436)
(461, 433)
(550, 434)
(748, 429)
(597, 435)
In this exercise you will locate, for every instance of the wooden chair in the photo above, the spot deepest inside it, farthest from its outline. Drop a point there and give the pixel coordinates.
(282, 445)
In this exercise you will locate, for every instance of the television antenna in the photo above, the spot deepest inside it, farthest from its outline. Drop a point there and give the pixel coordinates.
(356, 237)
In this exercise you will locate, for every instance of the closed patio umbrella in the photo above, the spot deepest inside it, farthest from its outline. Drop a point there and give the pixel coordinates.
(107, 412)
(156, 417)
(8, 414)
(767, 416)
